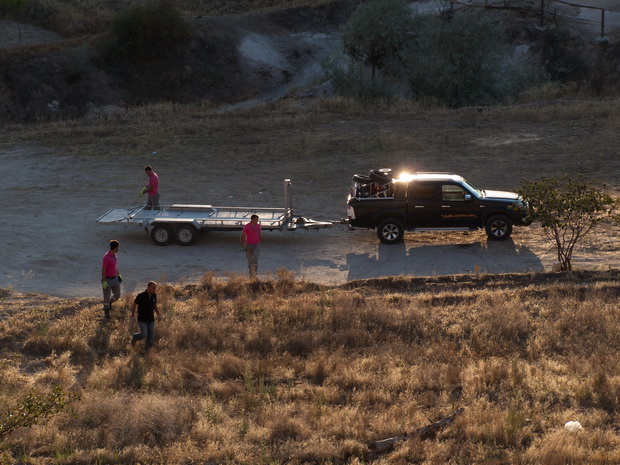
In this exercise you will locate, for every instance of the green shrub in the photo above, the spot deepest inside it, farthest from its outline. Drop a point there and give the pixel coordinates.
(456, 61)
(145, 32)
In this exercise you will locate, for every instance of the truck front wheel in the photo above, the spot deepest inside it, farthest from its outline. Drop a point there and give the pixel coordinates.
(161, 234)
(498, 228)
(390, 231)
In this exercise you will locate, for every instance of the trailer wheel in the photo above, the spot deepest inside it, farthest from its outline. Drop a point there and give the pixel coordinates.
(185, 235)
(161, 234)
(390, 231)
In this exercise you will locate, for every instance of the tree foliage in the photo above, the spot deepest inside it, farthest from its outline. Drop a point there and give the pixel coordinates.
(12, 6)
(147, 31)
(457, 59)
(568, 209)
(376, 31)
(464, 60)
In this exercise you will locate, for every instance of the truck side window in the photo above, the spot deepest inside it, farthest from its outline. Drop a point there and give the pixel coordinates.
(423, 191)
(452, 193)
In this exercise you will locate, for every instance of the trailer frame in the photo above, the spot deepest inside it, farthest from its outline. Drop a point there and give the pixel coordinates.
(183, 221)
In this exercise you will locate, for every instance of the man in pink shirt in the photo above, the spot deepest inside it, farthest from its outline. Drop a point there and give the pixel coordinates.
(251, 239)
(110, 278)
(151, 189)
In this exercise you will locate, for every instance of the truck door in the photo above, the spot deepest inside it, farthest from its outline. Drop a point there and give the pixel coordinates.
(458, 207)
(424, 204)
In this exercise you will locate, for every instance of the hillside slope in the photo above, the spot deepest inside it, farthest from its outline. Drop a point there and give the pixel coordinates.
(229, 59)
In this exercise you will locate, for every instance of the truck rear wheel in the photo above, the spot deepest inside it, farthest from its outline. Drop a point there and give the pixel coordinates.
(390, 231)
(161, 234)
(185, 235)
(498, 228)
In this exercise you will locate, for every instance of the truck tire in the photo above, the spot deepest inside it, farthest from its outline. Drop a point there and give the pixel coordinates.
(185, 234)
(361, 179)
(498, 227)
(161, 234)
(390, 231)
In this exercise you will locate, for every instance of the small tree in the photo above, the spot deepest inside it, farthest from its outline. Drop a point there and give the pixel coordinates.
(567, 209)
(376, 31)
(16, 7)
(33, 408)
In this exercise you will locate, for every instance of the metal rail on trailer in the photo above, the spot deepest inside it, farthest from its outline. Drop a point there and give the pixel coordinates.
(183, 222)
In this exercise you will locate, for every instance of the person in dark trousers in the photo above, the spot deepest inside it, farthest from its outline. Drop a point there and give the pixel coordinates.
(110, 278)
(147, 307)
(151, 189)
(251, 239)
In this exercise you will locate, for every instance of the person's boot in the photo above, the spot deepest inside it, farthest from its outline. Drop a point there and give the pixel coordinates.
(106, 312)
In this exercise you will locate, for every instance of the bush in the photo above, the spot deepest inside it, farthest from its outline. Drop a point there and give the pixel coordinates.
(456, 61)
(376, 31)
(145, 32)
(568, 209)
(349, 80)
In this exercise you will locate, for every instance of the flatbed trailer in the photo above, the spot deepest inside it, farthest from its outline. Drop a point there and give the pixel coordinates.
(183, 222)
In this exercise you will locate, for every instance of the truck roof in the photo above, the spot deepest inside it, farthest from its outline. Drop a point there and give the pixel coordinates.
(429, 177)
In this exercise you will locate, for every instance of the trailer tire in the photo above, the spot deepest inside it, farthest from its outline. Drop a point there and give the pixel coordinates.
(185, 235)
(390, 231)
(161, 234)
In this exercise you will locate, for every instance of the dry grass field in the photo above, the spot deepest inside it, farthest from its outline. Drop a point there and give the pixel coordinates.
(287, 372)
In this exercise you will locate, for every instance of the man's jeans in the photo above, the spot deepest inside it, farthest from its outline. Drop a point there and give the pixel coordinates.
(147, 330)
(152, 202)
(251, 252)
(113, 290)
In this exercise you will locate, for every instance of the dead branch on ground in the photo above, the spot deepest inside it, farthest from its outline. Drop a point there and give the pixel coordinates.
(425, 432)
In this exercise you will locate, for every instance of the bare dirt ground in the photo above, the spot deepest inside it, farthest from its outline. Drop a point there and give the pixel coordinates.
(52, 243)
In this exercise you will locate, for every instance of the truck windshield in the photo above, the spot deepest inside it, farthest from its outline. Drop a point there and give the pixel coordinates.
(477, 192)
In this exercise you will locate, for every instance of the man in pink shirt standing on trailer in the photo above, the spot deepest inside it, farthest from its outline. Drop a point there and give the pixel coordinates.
(151, 189)
(251, 239)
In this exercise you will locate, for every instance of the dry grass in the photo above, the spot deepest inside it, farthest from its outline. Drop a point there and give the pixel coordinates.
(283, 371)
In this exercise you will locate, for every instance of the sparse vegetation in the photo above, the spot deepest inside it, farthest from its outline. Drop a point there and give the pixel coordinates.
(282, 371)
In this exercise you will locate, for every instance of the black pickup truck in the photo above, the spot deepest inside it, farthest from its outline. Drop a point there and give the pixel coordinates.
(429, 202)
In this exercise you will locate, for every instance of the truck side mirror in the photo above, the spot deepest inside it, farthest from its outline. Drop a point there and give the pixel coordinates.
(467, 197)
